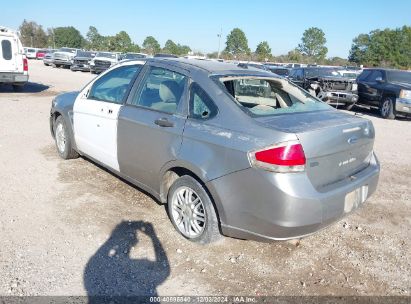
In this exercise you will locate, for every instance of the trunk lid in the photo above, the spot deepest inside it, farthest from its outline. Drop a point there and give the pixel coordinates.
(336, 145)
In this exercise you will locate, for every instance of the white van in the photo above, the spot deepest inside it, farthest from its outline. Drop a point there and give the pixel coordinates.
(13, 61)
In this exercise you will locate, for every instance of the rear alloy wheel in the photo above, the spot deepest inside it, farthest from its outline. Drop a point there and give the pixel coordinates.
(387, 108)
(63, 141)
(191, 211)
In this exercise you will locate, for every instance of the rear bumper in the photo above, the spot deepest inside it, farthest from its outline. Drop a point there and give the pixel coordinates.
(16, 78)
(335, 98)
(260, 205)
(403, 105)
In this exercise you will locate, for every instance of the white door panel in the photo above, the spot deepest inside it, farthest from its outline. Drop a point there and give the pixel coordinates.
(95, 129)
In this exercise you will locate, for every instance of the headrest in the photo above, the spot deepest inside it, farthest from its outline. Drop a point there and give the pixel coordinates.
(169, 91)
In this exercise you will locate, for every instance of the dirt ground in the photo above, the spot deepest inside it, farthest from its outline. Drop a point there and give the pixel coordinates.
(69, 227)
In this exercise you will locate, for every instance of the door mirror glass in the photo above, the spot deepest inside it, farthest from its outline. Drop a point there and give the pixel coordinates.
(379, 79)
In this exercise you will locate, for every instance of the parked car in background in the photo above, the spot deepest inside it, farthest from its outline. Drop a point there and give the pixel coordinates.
(81, 62)
(132, 56)
(256, 65)
(103, 60)
(13, 61)
(387, 90)
(40, 54)
(326, 84)
(163, 55)
(267, 167)
(31, 53)
(279, 70)
(48, 57)
(63, 57)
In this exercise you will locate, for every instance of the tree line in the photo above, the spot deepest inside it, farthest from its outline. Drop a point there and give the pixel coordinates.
(33, 35)
(388, 48)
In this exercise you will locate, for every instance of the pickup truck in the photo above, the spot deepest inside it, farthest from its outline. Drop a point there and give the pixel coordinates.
(63, 57)
(387, 90)
(13, 61)
(103, 61)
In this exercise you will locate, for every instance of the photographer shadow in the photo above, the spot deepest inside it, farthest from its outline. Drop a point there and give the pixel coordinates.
(111, 274)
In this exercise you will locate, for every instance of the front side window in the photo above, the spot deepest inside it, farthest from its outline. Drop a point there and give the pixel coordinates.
(201, 105)
(161, 90)
(113, 86)
(270, 96)
(6, 49)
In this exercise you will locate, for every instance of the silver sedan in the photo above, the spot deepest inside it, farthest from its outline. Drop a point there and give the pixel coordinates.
(231, 150)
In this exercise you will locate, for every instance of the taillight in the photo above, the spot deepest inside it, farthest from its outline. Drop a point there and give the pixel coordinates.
(283, 157)
(25, 65)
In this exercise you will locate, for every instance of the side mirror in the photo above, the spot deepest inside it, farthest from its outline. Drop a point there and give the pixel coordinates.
(379, 80)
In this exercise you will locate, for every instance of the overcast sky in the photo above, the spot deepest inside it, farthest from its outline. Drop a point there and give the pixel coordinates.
(197, 23)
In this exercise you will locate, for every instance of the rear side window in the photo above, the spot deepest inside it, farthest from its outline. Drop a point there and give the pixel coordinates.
(201, 105)
(113, 86)
(160, 90)
(6, 49)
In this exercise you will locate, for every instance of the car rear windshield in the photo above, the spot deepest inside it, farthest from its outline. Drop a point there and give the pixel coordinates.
(270, 96)
(399, 76)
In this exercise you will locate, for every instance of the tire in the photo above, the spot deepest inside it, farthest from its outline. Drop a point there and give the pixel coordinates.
(203, 226)
(63, 140)
(387, 107)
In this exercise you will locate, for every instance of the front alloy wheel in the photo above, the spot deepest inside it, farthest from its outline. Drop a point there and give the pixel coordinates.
(387, 108)
(63, 140)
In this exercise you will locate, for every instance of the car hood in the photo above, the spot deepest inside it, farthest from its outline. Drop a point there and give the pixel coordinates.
(330, 78)
(402, 85)
(105, 59)
(65, 100)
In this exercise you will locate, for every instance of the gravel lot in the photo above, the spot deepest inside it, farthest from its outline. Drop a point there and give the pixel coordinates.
(69, 227)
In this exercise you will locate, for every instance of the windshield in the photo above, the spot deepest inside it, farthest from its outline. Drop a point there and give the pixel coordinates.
(399, 76)
(68, 50)
(320, 72)
(106, 55)
(86, 54)
(270, 96)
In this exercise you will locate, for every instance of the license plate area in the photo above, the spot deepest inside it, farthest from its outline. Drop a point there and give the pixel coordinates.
(355, 198)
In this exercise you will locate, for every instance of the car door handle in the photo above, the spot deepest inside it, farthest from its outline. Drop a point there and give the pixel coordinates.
(164, 122)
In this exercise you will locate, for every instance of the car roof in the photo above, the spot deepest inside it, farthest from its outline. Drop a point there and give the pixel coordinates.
(211, 67)
(385, 69)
